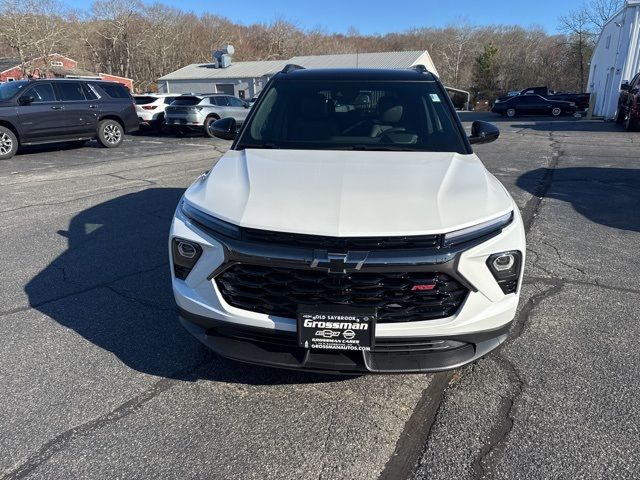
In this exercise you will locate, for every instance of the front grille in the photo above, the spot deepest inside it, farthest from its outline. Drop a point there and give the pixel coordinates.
(341, 243)
(280, 291)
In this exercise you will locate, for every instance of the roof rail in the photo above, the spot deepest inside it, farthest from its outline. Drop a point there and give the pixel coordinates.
(420, 68)
(290, 67)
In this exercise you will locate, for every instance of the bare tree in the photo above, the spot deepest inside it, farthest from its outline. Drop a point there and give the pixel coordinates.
(580, 37)
(598, 12)
(32, 28)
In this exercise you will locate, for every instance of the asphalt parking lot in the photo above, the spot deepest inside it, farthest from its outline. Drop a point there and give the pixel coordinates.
(100, 381)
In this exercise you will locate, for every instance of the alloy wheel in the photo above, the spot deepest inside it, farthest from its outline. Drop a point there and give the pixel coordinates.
(112, 134)
(6, 144)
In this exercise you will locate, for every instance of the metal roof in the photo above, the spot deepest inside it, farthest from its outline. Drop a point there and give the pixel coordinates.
(363, 60)
(235, 70)
(263, 68)
(8, 63)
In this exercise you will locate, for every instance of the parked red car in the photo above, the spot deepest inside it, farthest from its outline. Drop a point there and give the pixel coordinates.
(629, 104)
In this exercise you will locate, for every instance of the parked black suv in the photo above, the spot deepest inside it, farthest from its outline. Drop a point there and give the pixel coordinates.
(64, 110)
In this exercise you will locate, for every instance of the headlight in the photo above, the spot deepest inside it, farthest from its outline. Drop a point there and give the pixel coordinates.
(209, 223)
(477, 231)
(505, 268)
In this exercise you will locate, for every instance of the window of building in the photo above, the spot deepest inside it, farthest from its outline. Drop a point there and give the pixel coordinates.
(56, 64)
(11, 79)
(608, 41)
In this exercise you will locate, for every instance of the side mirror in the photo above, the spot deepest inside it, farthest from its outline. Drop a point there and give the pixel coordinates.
(225, 128)
(483, 132)
(246, 105)
(625, 87)
(26, 100)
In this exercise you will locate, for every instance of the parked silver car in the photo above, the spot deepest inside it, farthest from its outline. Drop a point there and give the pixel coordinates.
(197, 112)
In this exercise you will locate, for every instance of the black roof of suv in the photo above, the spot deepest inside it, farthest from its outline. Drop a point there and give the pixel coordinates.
(370, 74)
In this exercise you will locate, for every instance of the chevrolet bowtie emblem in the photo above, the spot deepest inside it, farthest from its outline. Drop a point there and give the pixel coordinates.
(338, 262)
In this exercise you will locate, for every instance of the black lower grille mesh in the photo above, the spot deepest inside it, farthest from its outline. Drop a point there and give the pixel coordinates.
(280, 291)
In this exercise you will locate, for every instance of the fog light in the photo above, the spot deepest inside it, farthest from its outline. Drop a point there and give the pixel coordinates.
(187, 250)
(504, 262)
(506, 267)
(185, 255)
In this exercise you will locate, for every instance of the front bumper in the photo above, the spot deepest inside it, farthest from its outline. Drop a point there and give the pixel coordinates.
(480, 324)
(275, 348)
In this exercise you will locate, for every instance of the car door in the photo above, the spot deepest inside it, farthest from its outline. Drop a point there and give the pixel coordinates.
(41, 113)
(539, 105)
(223, 109)
(521, 104)
(239, 109)
(80, 107)
(634, 91)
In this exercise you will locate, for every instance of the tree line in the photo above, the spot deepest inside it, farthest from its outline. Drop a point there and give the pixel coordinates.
(146, 41)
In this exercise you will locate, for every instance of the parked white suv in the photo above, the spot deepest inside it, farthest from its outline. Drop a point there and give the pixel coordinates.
(150, 108)
(369, 239)
(198, 112)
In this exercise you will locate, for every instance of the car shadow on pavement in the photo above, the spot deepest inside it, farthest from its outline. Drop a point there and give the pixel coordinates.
(608, 196)
(112, 286)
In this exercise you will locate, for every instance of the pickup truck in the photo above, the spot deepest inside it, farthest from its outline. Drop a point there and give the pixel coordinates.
(629, 104)
(580, 99)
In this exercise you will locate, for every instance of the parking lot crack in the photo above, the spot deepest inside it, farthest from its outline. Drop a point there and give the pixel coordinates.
(505, 416)
(563, 262)
(74, 199)
(64, 439)
(84, 289)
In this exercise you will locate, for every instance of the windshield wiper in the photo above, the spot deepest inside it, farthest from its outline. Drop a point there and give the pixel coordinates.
(373, 148)
(258, 145)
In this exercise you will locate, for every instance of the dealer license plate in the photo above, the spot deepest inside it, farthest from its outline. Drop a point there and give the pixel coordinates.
(336, 328)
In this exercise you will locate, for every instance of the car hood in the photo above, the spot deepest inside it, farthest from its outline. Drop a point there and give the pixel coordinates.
(350, 193)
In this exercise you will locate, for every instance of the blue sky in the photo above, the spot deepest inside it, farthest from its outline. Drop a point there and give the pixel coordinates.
(376, 16)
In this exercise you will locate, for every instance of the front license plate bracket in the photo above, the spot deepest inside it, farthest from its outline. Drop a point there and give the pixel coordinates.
(336, 328)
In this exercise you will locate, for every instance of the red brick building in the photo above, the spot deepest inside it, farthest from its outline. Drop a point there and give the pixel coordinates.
(52, 66)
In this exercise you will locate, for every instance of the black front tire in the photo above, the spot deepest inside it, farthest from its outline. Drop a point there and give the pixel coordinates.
(207, 125)
(159, 125)
(631, 123)
(8, 143)
(620, 116)
(110, 133)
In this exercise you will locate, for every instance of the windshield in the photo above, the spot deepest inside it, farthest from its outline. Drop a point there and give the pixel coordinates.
(351, 115)
(144, 100)
(9, 89)
(186, 101)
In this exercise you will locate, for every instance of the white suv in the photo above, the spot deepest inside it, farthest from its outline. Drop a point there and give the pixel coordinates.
(363, 239)
(198, 112)
(150, 108)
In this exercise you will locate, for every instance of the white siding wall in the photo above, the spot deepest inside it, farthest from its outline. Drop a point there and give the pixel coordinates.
(616, 58)
(251, 86)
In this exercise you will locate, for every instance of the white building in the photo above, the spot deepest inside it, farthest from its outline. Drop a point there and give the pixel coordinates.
(616, 58)
(246, 79)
